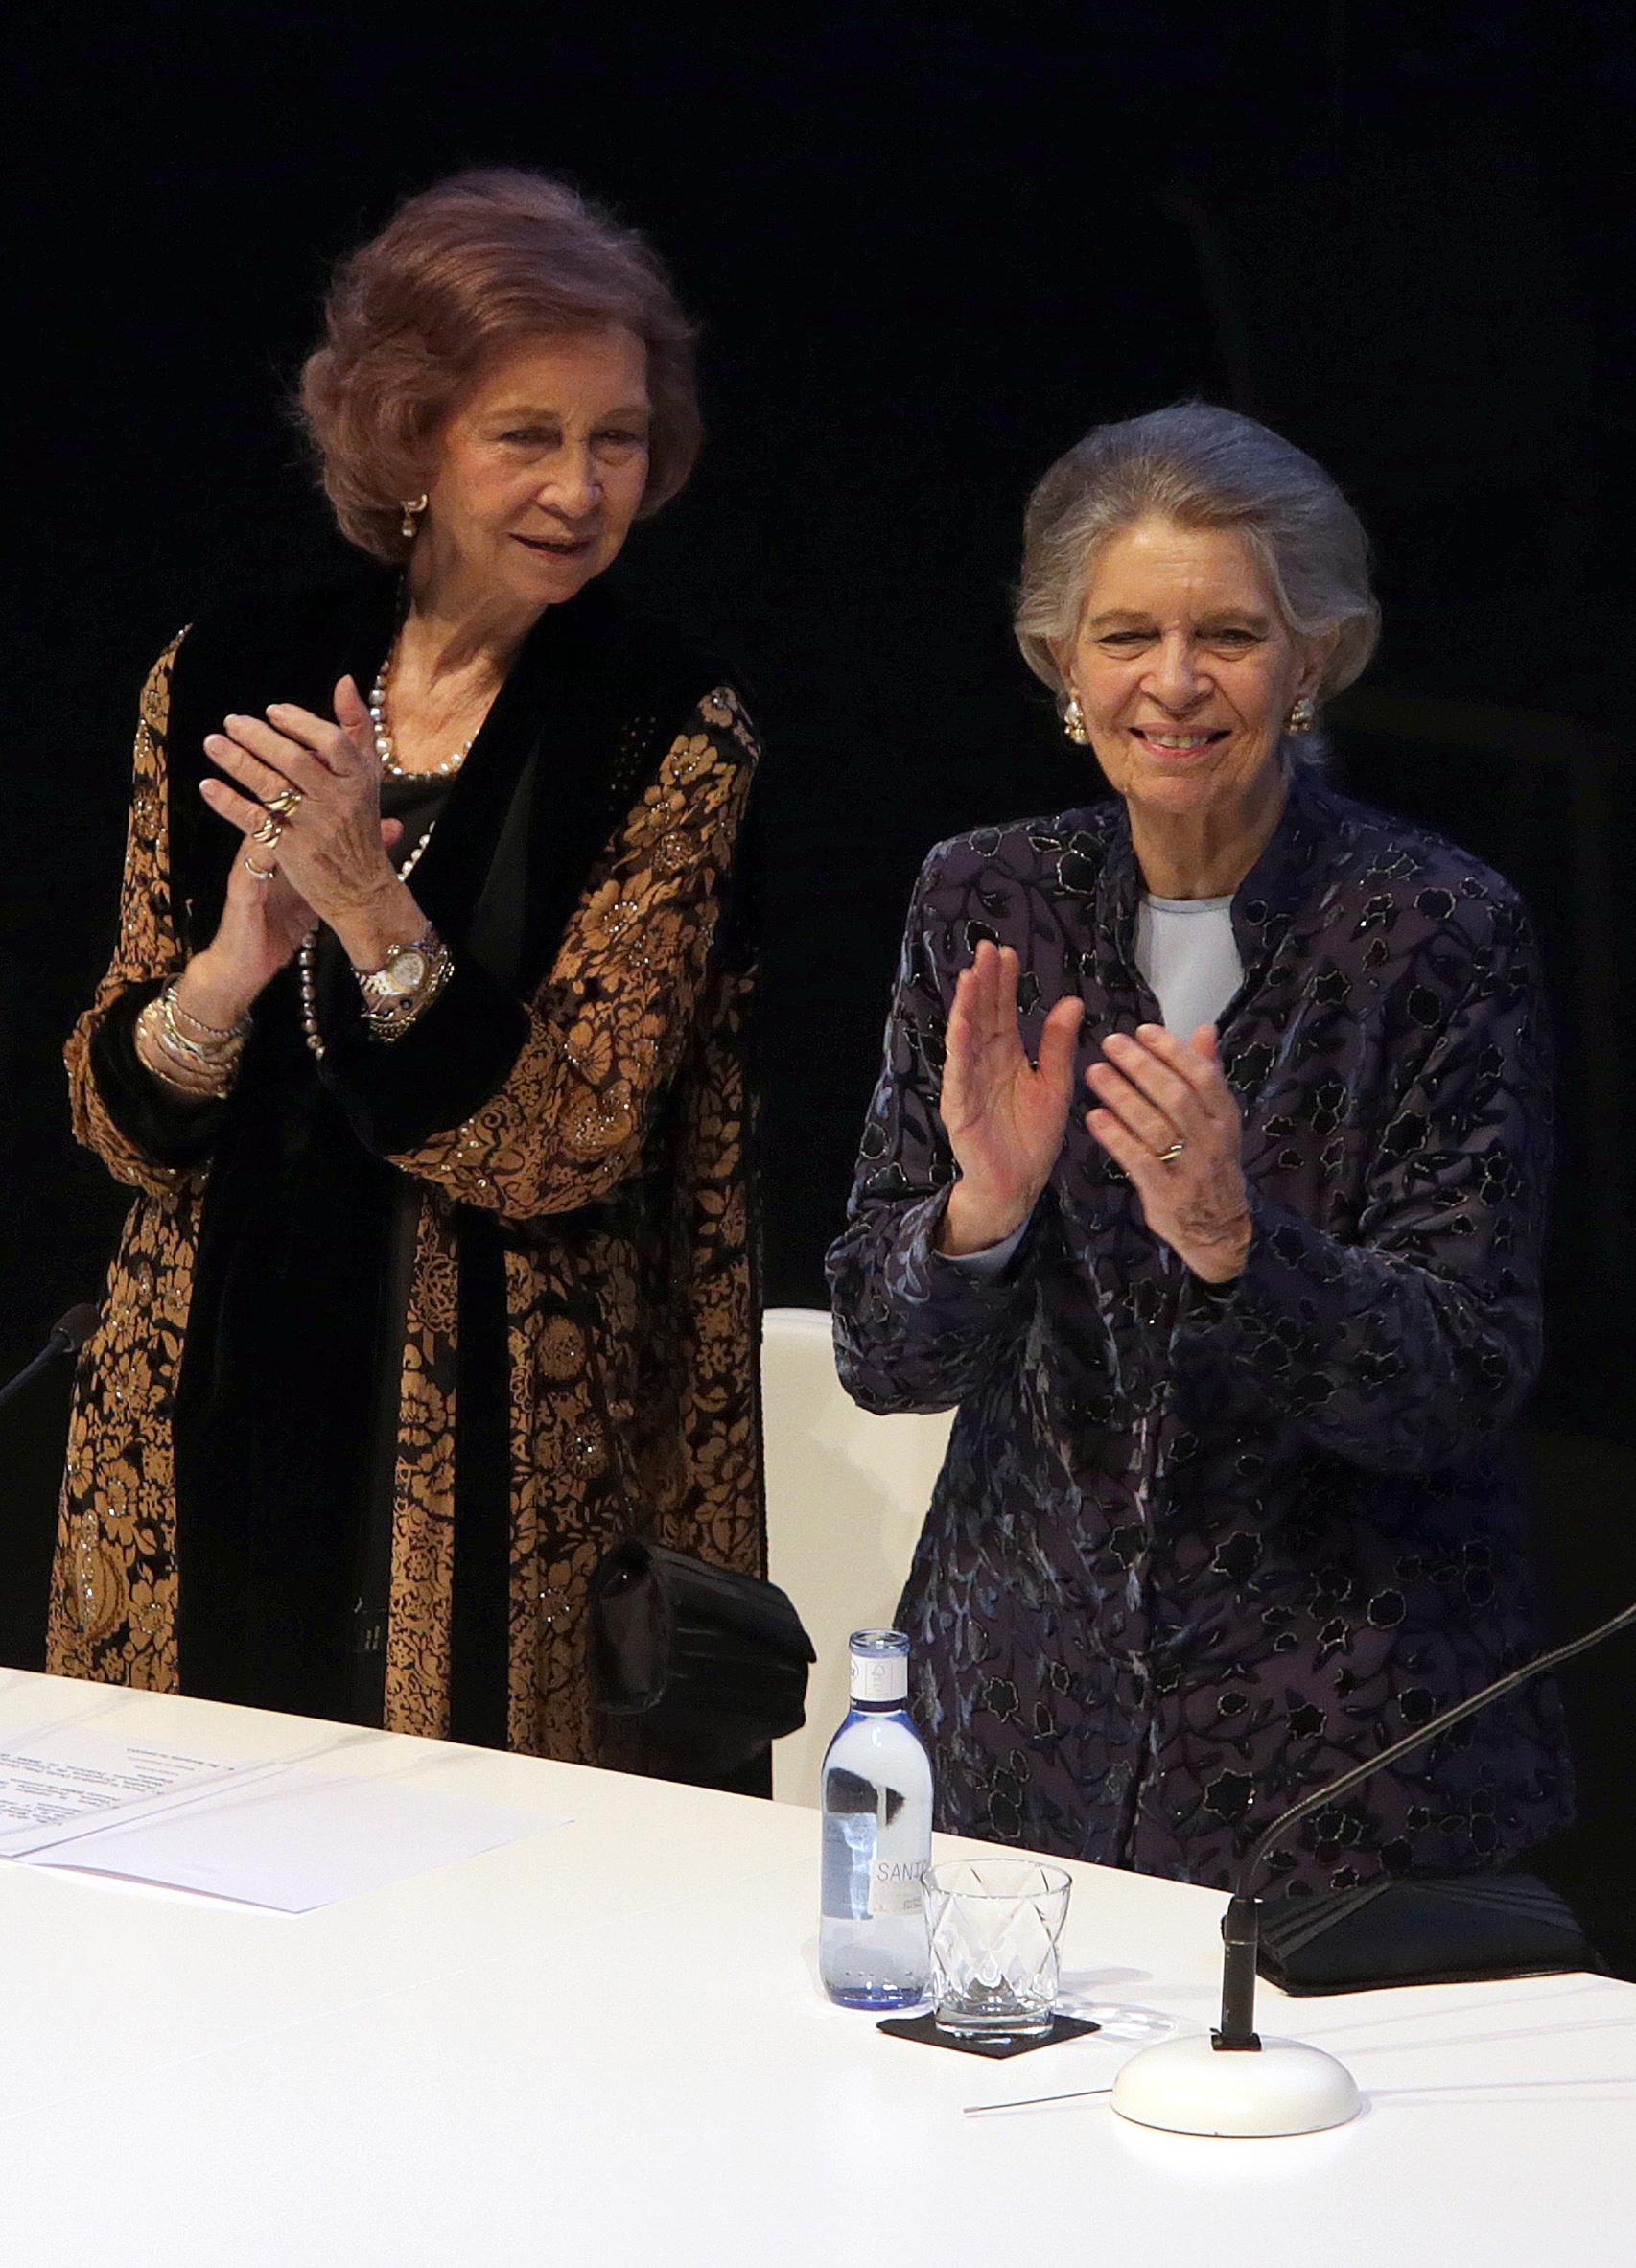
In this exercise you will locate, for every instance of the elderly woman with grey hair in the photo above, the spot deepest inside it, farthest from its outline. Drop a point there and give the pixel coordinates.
(1206, 1175)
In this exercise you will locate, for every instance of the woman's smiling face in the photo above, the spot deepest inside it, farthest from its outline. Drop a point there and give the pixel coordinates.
(542, 467)
(1184, 669)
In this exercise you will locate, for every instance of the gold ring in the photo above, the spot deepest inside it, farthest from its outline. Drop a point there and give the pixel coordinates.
(1170, 1155)
(287, 802)
(267, 832)
(260, 873)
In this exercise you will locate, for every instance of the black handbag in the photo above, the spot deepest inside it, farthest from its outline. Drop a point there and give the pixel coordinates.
(699, 1668)
(1428, 1930)
(695, 1668)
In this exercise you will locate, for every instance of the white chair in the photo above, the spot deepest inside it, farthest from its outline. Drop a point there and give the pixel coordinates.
(846, 1495)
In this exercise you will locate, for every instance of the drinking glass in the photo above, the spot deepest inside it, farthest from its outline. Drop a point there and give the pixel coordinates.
(994, 1927)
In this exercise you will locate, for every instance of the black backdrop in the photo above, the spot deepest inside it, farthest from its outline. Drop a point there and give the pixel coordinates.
(929, 247)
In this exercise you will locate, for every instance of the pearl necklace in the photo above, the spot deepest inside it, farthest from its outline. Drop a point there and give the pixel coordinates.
(389, 764)
(391, 769)
(307, 958)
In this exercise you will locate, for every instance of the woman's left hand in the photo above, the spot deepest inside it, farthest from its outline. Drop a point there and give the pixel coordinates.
(328, 775)
(1167, 1116)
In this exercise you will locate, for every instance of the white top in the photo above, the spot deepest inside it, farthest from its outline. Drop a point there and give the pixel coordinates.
(476, 2066)
(1186, 952)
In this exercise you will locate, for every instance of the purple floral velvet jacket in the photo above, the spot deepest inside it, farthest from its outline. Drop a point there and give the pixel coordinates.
(1195, 1549)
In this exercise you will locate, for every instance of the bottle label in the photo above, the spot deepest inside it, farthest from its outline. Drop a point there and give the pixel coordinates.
(881, 1677)
(894, 1886)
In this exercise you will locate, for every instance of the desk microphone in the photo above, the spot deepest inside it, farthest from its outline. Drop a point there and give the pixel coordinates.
(1235, 2082)
(68, 1334)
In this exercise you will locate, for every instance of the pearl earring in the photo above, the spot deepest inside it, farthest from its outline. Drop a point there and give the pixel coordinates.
(1074, 722)
(412, 509)
(1302, 716)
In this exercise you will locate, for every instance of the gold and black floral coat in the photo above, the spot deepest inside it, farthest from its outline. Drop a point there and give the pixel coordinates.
(496, 1275)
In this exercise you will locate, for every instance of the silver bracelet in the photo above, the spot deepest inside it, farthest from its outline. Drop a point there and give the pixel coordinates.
(214, 1055)
(205, 1031)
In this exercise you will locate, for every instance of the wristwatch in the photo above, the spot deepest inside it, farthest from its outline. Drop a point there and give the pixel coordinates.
(408, 981)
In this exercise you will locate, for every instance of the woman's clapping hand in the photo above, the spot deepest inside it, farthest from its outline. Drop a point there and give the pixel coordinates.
(1005, 1116)
(317, 847)
(330, 855)
(262, 925)
(1163, 1111)
(321, 780)
(1166, 1115)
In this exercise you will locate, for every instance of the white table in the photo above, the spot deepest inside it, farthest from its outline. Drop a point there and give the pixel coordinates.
(606, 2045)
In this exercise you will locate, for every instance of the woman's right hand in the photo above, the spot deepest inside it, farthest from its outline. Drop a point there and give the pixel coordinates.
(1005, 1117)
(261, 928)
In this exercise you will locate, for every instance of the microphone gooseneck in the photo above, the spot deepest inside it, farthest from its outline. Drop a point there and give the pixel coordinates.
(1241, 1926)
(1333, 1790)
(1233, 2082)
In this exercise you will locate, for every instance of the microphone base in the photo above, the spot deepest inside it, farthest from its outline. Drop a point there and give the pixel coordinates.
(1190, 2086)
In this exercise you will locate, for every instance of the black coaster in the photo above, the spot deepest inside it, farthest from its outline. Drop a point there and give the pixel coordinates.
(996, 2048)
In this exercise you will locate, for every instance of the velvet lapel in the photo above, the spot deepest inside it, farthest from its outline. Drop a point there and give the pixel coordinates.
(1279, 883)
(1118, 887)
(550, 775)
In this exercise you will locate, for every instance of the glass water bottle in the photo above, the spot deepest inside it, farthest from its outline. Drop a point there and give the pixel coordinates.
(877, 1804)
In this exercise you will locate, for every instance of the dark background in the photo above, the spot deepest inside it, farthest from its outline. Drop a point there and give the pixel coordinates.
(929, 247)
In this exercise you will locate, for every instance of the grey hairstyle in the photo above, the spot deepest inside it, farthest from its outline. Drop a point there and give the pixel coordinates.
(1201, 467)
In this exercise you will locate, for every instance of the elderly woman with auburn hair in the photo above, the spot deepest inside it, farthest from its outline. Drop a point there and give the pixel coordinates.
(422, 1042)
(1206, 1175)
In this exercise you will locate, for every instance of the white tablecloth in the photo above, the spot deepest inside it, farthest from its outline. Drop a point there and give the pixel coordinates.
(606, 2045)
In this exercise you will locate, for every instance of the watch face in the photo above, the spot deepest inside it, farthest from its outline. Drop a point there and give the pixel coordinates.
(405, 973)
